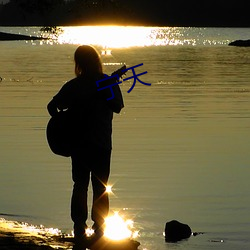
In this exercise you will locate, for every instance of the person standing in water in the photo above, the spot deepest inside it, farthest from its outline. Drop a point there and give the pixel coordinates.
(91, 145)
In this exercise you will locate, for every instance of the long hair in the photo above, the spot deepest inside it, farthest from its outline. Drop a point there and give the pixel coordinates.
(87, 61)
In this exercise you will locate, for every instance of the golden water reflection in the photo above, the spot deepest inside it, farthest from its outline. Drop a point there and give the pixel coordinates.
(123, 36)
(116, 228)
(140, 36)
(106, 36)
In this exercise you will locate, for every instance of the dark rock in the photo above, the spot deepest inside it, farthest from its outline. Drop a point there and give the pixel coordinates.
(14, 37)
(176, 231)
(197, 233)
(240, 43)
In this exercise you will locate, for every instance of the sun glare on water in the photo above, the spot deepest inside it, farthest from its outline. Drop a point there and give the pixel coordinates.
(106, 36)
(109, 189)
(110, 37)
(119, 229)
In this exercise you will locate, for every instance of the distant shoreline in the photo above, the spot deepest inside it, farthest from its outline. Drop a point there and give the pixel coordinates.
(16, 37)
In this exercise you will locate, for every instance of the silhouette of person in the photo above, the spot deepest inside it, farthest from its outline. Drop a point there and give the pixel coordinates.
(91, 147)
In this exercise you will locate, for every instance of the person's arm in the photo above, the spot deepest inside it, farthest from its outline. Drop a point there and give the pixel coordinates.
(116, 104)
(52, 108)
(111, 91)
(61, 100)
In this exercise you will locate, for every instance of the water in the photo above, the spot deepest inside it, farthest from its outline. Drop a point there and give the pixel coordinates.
(180, 146)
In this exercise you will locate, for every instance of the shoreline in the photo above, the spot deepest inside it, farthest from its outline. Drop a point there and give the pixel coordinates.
(15, 235)
(18, 235)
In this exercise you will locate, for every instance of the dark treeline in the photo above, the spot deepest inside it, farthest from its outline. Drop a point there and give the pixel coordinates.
(218, 13)
(61, 12)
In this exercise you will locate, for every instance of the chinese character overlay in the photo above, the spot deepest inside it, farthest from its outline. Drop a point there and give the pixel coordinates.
(135, 77)
(109, 86)
(117, 80)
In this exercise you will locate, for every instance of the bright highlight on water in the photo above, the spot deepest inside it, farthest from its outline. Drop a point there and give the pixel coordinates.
(133, 36)
(109, 189)
(119, 229)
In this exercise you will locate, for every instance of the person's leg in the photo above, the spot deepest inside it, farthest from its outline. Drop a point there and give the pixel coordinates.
(99, 178)
(79, 208)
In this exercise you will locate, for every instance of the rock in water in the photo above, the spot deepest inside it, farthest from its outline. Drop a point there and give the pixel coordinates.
(176, 231)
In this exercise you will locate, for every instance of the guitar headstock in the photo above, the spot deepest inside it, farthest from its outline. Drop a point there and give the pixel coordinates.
(120, 72)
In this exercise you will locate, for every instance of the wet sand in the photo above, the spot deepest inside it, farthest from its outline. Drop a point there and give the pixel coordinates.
(15, 235)
(9, 241)
(12, 241)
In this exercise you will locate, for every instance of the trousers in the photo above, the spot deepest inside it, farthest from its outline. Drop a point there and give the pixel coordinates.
(89, 163)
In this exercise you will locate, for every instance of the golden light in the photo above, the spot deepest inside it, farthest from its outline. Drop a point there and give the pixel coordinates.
(89, 232)
(110, 36)
(107, 36)
(27, 229)
(108, 189)
(116, 228)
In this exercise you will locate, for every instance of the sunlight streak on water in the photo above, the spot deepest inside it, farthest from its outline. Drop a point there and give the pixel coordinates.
(130, 36)
(106, 36)
(134, 36)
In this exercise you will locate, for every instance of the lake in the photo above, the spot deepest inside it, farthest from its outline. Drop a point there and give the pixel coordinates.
(180, 146)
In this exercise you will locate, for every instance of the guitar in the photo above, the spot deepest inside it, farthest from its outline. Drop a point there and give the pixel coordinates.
(60, 128)
(120, 72)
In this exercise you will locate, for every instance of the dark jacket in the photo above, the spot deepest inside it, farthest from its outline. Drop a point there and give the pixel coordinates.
(92, 113)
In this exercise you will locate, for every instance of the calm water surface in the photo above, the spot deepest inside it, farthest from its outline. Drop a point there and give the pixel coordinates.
(180, 146)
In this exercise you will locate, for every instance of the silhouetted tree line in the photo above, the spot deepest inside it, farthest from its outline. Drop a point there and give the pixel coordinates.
(61, 12)
(126, 12)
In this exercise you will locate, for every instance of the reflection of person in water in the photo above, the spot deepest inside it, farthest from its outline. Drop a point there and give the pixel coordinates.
(92, 124)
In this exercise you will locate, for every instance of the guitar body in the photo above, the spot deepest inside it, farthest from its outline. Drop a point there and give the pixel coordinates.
(59, 133)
